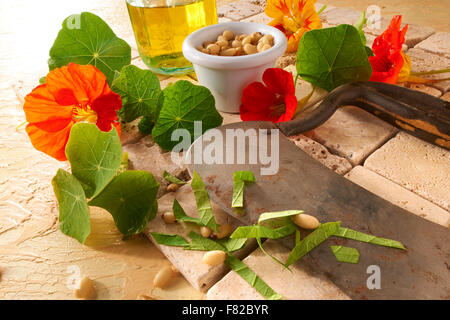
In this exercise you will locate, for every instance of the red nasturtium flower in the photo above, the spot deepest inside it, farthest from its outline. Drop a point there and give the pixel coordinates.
(272, 101)
(388, 58)
(73, 93)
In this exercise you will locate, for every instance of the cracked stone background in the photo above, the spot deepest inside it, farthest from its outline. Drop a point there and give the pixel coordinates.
(35, 255)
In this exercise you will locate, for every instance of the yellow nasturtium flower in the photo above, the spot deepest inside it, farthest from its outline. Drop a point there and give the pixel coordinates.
(293, 18)
(405, 71)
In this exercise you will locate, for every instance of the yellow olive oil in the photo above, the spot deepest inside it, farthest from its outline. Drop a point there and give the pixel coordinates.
(160, 27)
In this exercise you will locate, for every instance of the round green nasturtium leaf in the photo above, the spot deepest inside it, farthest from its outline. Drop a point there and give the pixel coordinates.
(183, 104)
(86, 39)
(332, 57)
(131, 199)
(140, 92)
(73, 210)
(94, 156)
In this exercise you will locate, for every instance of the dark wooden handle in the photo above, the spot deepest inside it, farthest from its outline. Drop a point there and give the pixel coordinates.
(422, 115)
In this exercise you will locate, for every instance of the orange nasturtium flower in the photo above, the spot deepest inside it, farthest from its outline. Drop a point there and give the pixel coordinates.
(293, 18)
(73, 93)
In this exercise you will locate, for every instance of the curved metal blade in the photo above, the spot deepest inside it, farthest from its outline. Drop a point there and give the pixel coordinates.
(421, 272)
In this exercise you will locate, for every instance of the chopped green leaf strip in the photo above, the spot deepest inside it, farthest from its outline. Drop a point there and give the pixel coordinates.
(172, 240)
(94, 156)
(297, 237)
(86, 39)
(278, 214)
(172, 178)
(331, 57)
(232, 245)
(205, 213)
(258, 240)
(359, 25)
(363, 237)
(201, 243)
(131, 199)
(345, 254)
(240, 179)
(263, 232)
(181, 215)
(74, 218)
(140, 92)
(250, 277)
(185, 103)
(315, 238)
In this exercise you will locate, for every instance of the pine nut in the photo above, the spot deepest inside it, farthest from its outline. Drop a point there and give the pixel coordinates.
(207, 43)
(213, 48)
(214, 258)
(224, 230)
(260, 46)
(256, 36)
(305, 221)
(228, 52)
(173, 187)
(249, 48)
(163, 277)
(228, 35)
(247, 40)
(266, 47)
(87, 290)
(168, 217)
(236, 44)
(222, 38)
(222, 43)
(205, 231)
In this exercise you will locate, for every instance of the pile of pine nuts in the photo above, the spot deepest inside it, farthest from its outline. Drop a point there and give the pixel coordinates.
(229, 44)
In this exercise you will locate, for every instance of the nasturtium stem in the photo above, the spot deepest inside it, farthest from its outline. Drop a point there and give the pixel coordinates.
(295, 79)
(322, 9)
(20, 125)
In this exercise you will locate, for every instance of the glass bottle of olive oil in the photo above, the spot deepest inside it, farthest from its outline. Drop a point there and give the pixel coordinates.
(160, 27)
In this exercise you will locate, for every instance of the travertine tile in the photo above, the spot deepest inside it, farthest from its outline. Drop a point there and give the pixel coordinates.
(146, 155)
(353, 133)
(300, 284)
(336, 16)
(189, 262)
(398, 195)
(446, 97)
(425, 89)
(414, 35)
(320, 153)
(239, 10)
(426, 61)
(416, 165)
(438, 43)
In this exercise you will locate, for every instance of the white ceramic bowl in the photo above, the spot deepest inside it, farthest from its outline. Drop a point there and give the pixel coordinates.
(226, 77)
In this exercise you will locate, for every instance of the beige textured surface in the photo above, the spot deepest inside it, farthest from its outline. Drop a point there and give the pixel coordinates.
(416, 165)
(34, 254)
(320, 153)
(446, 97)
(398, 195)
(239, 10)
(353, 133)
(300, 284)
(189, 262)
(433, 13)
(36, 259)
(425, 61)
(438, 43)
